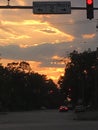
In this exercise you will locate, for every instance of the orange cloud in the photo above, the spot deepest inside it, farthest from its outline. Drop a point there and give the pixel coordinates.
(31, 32)
(89, 36)
(60, 60)
(56, 57)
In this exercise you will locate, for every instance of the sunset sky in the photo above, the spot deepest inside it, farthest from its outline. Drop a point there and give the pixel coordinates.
(43, 40)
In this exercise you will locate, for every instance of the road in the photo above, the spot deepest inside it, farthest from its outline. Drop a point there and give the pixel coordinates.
(44, 120)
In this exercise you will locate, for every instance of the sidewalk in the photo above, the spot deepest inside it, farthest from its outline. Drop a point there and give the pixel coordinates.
(87, 115)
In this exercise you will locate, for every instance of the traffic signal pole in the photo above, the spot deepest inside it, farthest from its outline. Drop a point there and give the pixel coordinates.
(64, 10)
(31, 7)
(16, 7)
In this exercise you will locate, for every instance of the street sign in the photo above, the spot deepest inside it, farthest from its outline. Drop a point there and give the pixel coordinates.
(52, 7)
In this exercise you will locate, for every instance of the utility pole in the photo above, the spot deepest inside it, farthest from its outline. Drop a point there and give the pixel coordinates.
(8, 3)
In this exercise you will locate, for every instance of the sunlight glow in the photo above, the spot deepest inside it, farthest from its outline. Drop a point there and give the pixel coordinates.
(51, 72)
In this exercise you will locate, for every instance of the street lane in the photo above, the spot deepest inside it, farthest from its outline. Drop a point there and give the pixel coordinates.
(44, 120)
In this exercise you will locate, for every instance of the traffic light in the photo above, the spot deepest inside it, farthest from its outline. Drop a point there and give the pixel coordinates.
(90, 10)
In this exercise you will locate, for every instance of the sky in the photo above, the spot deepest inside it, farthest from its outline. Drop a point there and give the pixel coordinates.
(44, 40)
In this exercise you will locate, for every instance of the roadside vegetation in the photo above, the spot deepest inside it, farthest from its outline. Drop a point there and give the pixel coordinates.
(80, 80)
(22, 89)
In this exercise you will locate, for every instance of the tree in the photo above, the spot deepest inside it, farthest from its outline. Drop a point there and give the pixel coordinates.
(81, 76)
(23, 89)
(25, 66)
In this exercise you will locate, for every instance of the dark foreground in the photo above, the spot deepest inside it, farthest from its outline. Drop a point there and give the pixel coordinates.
(44, 120)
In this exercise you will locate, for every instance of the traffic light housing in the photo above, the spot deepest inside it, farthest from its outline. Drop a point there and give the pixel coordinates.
(90, 9)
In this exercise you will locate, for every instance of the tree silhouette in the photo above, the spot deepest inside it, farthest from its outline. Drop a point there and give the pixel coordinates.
(81, 75)
(23, 89)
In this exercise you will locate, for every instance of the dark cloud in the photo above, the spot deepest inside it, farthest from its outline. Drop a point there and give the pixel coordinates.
(44, 53)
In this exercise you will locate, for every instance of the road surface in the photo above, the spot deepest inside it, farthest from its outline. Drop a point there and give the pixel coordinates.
(44, 120)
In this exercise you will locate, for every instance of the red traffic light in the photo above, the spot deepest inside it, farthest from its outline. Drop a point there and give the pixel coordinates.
(89, 2)
(90, 9)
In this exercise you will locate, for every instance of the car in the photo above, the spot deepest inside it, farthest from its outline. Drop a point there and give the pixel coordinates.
(70, 107)
(79, 108)
(63, 109)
